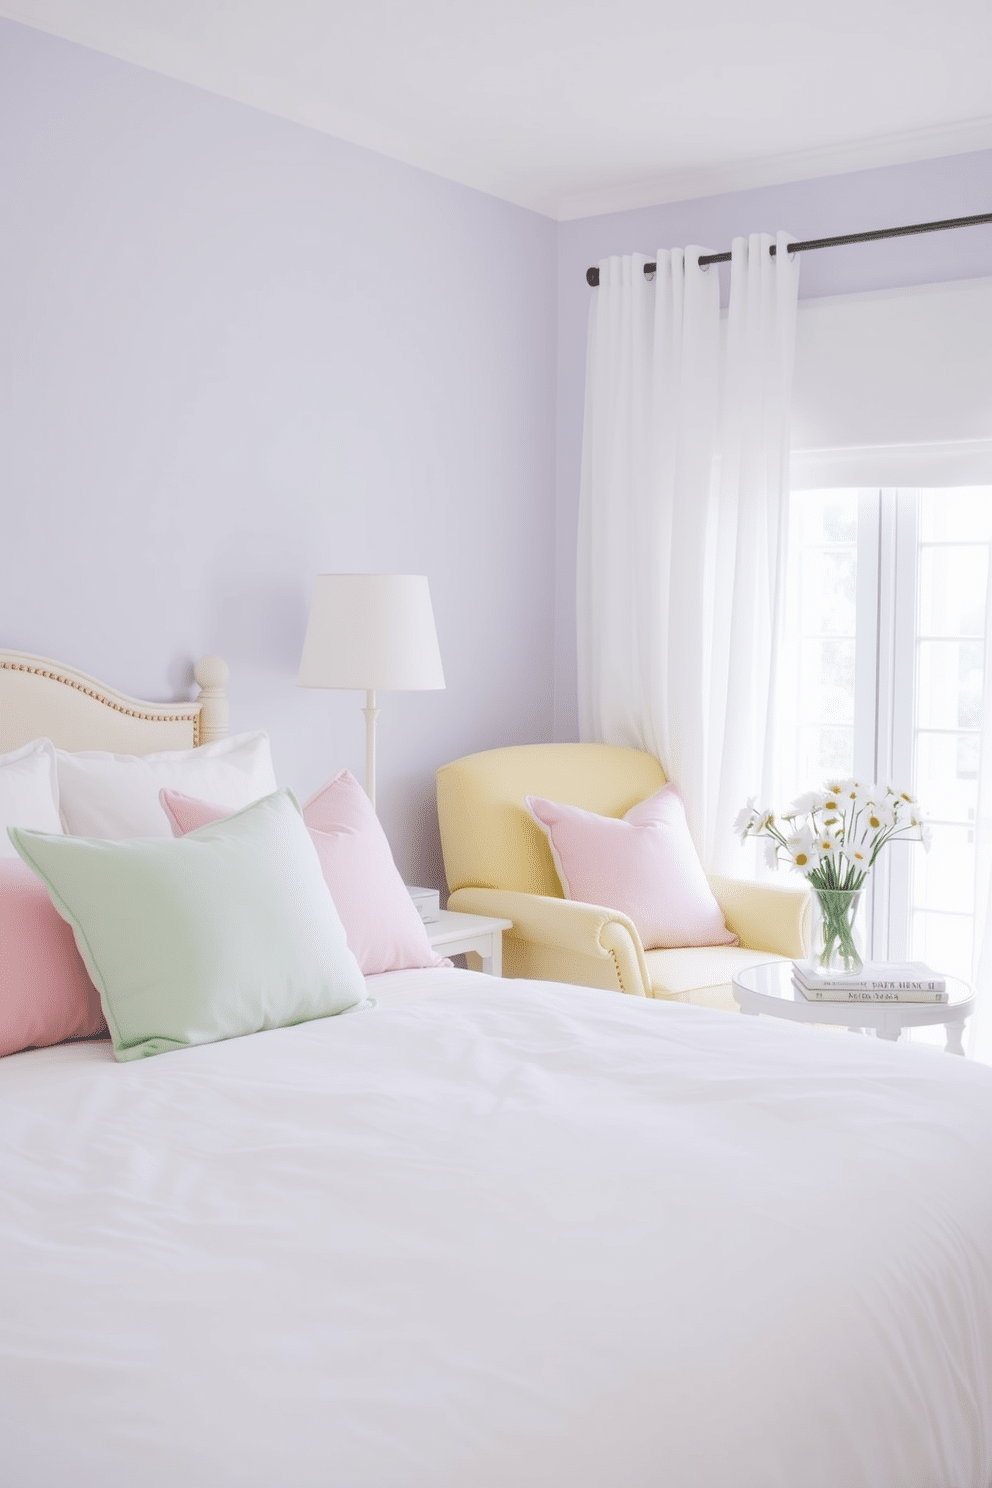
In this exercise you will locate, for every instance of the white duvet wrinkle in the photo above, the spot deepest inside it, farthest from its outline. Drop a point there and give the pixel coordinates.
(499, 1234)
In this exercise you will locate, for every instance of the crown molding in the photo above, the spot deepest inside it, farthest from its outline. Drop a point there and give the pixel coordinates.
(777, 170)
(168, 51)
(954, 462)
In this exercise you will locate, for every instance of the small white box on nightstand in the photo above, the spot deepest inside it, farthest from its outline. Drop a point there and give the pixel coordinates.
(428, 903)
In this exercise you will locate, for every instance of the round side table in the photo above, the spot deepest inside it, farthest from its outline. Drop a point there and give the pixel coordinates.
(768, 988)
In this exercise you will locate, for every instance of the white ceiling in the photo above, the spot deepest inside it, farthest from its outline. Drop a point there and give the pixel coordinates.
(574, 107)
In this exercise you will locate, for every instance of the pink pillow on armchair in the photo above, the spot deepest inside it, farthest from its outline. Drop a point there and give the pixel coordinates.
(46, 995)
(384, 930)
(645, 866)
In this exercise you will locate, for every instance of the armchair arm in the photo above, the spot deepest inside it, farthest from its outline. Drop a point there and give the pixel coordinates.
(562, 939)
(765, 917)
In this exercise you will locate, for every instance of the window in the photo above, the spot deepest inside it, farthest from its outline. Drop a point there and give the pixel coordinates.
(883, 678)
(821, 637)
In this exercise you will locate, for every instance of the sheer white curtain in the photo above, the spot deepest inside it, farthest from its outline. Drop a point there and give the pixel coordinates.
(652, 387)
(980, 1031)
(752, 526)
(682, 521)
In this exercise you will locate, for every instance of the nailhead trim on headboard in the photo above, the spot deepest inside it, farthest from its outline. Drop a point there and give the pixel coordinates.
(166, 715)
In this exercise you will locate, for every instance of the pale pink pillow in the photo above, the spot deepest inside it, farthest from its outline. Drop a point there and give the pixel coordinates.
(645, 866)
(384, 930)
(46, 995)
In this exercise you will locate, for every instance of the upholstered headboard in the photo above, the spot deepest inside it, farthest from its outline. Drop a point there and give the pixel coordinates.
(44, 699)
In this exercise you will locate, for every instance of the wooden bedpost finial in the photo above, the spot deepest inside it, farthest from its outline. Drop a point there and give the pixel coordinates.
(212, 672)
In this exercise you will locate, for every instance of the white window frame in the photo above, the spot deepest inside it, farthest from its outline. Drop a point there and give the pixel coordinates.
(885, 680)
(886, 732)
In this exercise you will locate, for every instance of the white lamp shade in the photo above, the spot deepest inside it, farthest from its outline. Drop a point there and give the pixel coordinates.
(372, 632)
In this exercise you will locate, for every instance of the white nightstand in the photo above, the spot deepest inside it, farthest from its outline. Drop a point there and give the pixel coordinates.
(453, 933)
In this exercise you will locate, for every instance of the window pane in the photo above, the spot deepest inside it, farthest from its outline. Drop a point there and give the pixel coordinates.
(947, 791)
(826, 682)
(949, 683)
(944, 878)
(836, 754)
(944, 942)
(952, 590)
(829, 590)
(817, 679)
(955, 527)
(821, 752)
(969, 753)
(961, 514)
(826, 516)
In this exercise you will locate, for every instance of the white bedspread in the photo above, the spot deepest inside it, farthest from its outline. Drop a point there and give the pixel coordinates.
(498, 1234)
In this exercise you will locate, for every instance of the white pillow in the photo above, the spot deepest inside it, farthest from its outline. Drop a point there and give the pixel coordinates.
(29, 792)
(116, 795)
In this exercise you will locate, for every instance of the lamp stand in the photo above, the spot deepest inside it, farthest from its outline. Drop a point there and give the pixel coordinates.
(371, 714)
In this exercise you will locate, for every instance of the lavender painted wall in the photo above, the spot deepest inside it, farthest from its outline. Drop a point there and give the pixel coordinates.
(924, 192)
(235, 352)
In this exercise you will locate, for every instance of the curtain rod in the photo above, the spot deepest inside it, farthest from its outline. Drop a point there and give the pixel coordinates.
(592, 275)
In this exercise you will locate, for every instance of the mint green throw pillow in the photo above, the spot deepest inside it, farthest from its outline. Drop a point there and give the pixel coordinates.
(228, 930)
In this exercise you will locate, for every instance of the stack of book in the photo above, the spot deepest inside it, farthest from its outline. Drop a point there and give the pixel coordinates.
(891, 981)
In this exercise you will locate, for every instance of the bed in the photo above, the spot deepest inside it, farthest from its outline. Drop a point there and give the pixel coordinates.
(497, 1232)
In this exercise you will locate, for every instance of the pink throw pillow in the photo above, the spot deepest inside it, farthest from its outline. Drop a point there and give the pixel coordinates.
(384, 930)
(46, 995)
(645, 866)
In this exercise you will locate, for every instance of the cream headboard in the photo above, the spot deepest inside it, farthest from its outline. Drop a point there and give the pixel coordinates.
(43, 699)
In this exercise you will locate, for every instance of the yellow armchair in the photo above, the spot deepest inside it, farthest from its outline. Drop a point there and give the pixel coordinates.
(498, 862)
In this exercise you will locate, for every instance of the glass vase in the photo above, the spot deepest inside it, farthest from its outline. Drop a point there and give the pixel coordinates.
(836, 939)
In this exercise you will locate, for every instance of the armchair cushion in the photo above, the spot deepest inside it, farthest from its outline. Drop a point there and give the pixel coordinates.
(701, 975)
(644, 865)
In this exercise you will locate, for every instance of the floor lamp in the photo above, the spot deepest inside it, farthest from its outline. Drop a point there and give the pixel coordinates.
(371, 632)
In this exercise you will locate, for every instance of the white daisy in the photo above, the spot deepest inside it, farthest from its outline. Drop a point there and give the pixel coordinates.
(879, 816)
(804, 805)
(801, 849)
(745, 820)
(868, 795)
